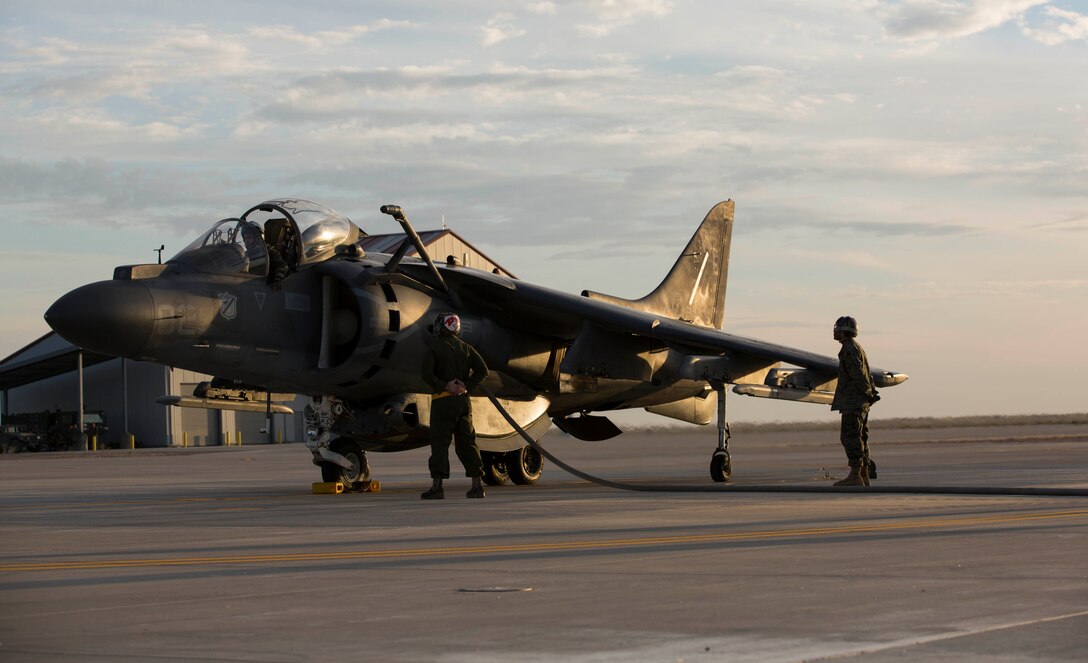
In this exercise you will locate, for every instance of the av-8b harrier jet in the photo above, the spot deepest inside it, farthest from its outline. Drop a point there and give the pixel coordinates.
(284, 299)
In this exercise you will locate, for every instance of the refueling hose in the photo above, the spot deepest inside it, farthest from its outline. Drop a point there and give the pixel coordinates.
(755, 488)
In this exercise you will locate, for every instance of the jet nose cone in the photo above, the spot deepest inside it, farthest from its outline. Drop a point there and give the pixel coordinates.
(111, 317)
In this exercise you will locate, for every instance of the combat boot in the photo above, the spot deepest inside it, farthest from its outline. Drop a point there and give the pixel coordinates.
(864, 473)
(477, 489)
(871, 469)
(435, 492)
(853, 479)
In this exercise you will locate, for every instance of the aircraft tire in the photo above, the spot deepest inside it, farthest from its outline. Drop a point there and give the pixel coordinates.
(721, 467)
(495, 473)
(524, 465)
(360, 470)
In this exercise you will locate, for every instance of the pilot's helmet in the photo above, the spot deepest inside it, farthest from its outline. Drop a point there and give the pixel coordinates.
(847, 325)
(449, 323)
(275, 231)
(251, 234)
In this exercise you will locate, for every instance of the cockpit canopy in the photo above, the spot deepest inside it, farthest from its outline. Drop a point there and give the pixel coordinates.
(301, 232)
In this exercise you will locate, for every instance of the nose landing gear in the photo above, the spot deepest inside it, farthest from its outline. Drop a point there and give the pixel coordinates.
(341, 459)
(358, 470)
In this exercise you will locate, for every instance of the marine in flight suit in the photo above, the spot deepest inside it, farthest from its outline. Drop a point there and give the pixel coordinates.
(452, 368)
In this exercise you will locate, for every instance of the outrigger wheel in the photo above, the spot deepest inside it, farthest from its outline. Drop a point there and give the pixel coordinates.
(721, 467)
(359, 470)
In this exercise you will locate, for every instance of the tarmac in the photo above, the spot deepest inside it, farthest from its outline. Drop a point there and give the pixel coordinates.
(224, 554)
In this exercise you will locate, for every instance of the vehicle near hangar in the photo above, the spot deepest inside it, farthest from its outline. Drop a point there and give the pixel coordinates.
(283, 299)
(49, 430)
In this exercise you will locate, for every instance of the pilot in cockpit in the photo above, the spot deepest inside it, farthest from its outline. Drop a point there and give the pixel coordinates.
(277, 237)
(254, 252)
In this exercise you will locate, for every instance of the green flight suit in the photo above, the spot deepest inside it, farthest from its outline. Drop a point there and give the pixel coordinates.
(277, 267)
(451, 416)
(853, 395)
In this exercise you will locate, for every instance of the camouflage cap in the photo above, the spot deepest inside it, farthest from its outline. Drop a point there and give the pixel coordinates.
(847, 325)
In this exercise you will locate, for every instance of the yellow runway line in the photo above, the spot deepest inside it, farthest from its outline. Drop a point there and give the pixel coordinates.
(557, 546)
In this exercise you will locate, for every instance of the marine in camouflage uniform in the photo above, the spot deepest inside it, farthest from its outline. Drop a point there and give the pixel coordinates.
(452, 368)
(854, 393)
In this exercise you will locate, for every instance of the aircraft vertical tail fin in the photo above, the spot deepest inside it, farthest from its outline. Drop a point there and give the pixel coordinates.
(694, 289)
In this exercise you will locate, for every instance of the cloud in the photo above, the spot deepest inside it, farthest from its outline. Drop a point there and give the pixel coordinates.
(932, 291)
(901, 228)
(851, 259)
(443, 79)
(928, 20)
(384, 97)
(142, 64)
(100, 193)
(777, 219)
(613, 14)
(322, 39)
(548, 8)
(125, 65)
(923, 159)
(609, 127)
(766, 91)
(1077, 223)
(499, 28)
(1060, 26)
(508, 200)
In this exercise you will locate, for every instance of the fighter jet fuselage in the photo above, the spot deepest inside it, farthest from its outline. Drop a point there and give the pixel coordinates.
(283, 299)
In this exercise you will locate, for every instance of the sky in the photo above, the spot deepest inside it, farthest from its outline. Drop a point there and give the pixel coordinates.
(921, 165)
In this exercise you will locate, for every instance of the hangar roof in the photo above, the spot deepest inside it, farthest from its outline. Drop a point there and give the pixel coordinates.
(391, 242)
(44, 358)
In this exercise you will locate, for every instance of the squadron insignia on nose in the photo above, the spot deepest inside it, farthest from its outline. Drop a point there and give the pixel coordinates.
(228, 306)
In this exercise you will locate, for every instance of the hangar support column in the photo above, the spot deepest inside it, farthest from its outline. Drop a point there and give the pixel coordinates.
(169, 381)
(79, 371)
(124, 398)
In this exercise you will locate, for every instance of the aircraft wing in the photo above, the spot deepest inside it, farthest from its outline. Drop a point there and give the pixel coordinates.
(542, 310)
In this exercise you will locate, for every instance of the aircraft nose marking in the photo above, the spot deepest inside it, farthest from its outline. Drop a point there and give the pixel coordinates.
(228, 305)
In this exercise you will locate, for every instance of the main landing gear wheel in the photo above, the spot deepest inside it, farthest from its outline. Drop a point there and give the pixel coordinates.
(357, 473)
(495, 473)
(524, 465)
(721, 467)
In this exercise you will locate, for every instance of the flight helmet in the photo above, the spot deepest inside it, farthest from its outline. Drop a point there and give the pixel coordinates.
(449, 323)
